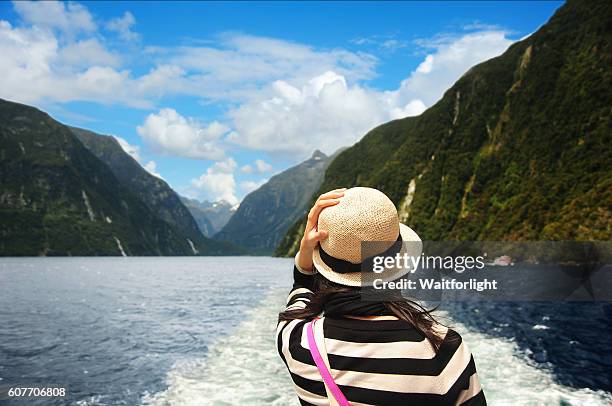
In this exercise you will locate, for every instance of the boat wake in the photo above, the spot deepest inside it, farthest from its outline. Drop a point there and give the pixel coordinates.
(242, 369)
(245, 369)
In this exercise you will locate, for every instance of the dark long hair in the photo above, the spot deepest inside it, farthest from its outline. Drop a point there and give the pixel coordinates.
(410, 311)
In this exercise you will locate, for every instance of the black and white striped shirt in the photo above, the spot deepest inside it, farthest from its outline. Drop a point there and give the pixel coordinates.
(377, 362)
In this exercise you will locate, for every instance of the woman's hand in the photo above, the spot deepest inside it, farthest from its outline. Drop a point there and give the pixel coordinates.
(312, 235)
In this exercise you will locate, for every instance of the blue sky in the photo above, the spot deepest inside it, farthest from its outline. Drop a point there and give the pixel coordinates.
(216, 97)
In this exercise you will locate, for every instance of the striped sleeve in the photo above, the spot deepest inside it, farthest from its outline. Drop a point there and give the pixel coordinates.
(308, 384)
(299, 296)
(301, 292)
(472, 394)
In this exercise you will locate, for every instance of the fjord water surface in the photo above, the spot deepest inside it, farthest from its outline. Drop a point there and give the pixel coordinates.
(200, 331)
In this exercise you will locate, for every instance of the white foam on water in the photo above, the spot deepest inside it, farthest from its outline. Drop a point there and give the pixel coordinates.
(509, 377)
(244, 369)
(95, 400)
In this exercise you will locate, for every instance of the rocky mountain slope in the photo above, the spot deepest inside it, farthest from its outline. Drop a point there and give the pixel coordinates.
(517, 149)
(266, 213)
(58, 198)
(151, 190)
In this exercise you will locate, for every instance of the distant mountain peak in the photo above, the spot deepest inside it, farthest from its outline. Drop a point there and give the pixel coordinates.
(317, 155)
(210, 216)
(265, 214)
(221, 203)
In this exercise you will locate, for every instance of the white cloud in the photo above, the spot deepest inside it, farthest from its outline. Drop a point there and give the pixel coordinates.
(426, 65)
(160, 80)
(134, 152)
(324, 113)
(238, 65)
(38, 66)
(42, 62)
(248, 186)
(285, 96)
(217, 183)
(69, 18)
(226, 166)
(451, 58)
(99, 81)
(58, 42)
(170, 133)
(151, 167)
(55, 53)
(413, 108)
(480, 26)
(262, 166)
(86, 52)
(328, 113)
(387, 43)
(24, 66)
(123, 26)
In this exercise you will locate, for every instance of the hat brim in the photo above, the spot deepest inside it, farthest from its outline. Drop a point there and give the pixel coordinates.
(412, 246)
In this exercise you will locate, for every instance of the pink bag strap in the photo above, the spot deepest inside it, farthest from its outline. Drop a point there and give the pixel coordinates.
(325, 374)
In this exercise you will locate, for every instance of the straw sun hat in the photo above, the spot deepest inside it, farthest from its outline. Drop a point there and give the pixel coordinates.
(364, 219)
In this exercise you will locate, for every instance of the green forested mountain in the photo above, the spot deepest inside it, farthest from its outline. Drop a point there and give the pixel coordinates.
(519, 148)
(265, 214)
(154, 192)
(58, 198)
